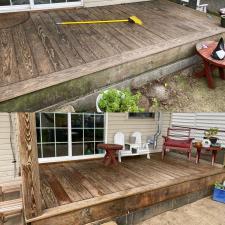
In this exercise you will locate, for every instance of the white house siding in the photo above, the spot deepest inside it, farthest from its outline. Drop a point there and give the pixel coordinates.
(201, 120)
(8, 137)
(148, 126)
(93, 3)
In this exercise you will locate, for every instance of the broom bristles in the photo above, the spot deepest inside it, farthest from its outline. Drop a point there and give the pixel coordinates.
(136, 20)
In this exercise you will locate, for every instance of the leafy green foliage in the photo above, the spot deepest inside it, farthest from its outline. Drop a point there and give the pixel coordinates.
(120, 101)
(219, 186)
(212, 132)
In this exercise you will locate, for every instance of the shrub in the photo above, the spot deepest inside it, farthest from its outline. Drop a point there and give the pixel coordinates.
(113, 100)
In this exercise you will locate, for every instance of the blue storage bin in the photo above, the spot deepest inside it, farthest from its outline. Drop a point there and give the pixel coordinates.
(219, 195)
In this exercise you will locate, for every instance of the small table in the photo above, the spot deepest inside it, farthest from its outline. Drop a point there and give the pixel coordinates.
(111, 150)
(210, 64)
(213, 149)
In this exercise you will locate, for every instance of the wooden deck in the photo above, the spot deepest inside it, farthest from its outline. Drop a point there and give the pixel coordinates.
(37, 54)
(71, 187)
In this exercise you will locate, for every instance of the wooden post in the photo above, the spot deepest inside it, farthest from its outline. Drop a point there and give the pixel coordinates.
(29, 165)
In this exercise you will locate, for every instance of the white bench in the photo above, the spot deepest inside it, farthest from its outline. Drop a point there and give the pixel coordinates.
(140, 149)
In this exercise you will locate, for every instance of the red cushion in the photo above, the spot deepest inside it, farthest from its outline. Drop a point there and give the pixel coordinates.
(178, 143)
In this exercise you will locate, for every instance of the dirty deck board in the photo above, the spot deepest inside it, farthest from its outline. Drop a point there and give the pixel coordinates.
(38, 47)
(67, 182)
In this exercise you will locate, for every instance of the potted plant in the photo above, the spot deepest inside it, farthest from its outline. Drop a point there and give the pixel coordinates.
(219, 192)
(113, 100)
(211, 135)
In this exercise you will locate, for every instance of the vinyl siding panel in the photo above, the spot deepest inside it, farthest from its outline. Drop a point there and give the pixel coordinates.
(148, 126)
(93, 3)
(202, 121)
(8, 139)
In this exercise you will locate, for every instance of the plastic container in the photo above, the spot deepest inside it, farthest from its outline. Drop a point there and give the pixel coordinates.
(219, 195)
(223, 20)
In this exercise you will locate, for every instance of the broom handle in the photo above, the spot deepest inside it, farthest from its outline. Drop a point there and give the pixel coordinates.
(93, 22)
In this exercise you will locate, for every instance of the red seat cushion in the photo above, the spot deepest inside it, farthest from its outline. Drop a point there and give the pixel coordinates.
(178, 143)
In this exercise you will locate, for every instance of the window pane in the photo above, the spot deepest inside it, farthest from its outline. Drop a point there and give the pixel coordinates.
(88, 135)
(37, 119)
(99, 150)
(39, 151)
(77, 120)
(4, 2)
(61, 135)
(61, 120)
(58, 1)
(38, 135)
(48, 150)
(89, 121)
(77, 149)
(62, 149)
(88, 148)
(47, 120)
(20, 2)
(77, 135)
(41, 1)
(48, 135)
(143, 115)
(99, 121)
(99, 135)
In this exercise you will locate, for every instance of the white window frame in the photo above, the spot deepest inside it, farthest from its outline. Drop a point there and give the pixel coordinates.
(70, 157)
(33, 7)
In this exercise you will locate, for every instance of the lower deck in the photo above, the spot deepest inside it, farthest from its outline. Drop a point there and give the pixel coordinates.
(42, 63)
(88, 191)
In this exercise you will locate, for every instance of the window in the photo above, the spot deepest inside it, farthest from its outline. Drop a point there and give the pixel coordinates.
(17, 5)
(141, 115)
(69, 135)
(87, 132)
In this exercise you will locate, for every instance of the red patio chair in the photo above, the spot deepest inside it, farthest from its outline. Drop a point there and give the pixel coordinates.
(177, 139)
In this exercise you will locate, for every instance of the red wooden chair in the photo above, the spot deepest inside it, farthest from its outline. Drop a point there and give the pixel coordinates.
(177, 139)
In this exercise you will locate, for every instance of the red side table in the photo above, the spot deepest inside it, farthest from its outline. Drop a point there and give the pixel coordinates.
(213, 149)
(210, 64)
(110, 156)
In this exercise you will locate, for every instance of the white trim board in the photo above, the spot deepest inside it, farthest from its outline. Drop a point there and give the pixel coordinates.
(33, 7)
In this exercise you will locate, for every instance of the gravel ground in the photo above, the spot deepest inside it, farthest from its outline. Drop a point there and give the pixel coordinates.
(182, 92)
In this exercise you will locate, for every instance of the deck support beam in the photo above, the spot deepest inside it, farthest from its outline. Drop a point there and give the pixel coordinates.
(29, 165)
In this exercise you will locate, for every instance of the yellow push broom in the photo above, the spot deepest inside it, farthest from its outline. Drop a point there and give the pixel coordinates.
(132, 19)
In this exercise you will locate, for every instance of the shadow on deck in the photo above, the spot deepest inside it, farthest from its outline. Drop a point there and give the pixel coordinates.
(87, 191)
(43, 63)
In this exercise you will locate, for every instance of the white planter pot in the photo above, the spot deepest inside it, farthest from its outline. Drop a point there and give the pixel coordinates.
(99, 98)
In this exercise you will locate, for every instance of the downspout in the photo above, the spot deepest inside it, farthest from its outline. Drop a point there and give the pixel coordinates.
(158, 132)
(12, 147)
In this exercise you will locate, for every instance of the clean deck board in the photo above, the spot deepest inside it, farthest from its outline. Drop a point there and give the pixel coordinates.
(63, 183)
(39, 48)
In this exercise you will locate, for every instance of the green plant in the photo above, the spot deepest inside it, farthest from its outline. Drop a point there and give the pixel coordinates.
(212, 132)
(120, 101)
(219, 186)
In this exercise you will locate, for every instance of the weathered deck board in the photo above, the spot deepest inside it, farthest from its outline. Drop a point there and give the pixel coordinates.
(8, 65)
(41, 54)
(77, 181)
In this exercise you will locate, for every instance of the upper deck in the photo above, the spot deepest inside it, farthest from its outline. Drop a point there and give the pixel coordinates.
(39, 58)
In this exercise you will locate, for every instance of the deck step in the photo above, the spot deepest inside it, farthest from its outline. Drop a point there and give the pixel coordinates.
(10, 208)
(10, 187)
